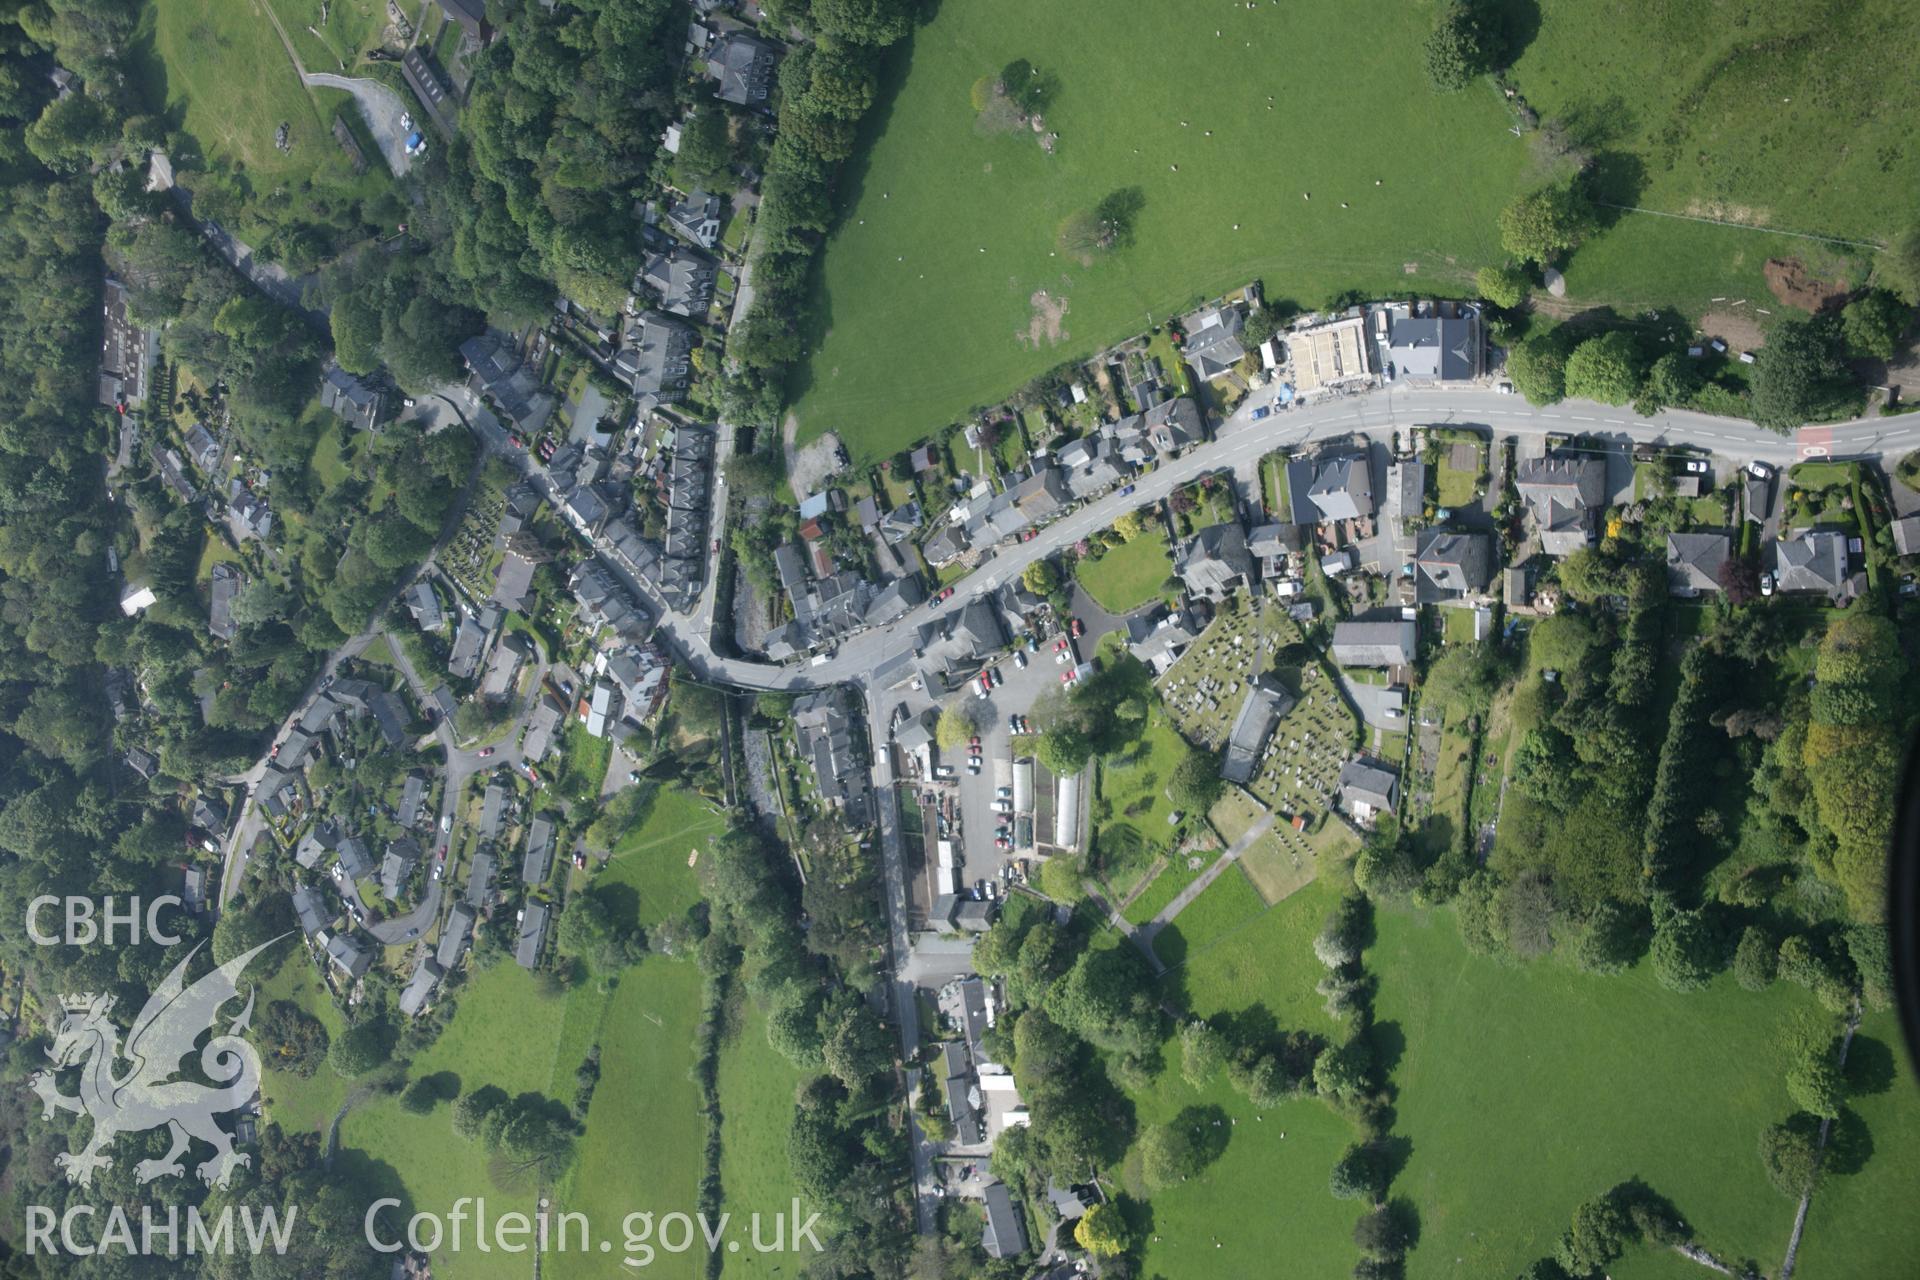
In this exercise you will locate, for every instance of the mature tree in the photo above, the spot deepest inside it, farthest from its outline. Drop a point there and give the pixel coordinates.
(536, 1142)
(1504, 286)
(1815, 1082)
(705, 158)
(959, 721)
(1196, 782)
(1755, 960)
(1601, 1232)
(875, 22)
(355, 322)
(1606, 368)
(1673, 380)
(1467, 41)
(855, 1045)
(1344, 1072)
(1170, 1153)
(1790, 1151)
(1064, 749)
(290, 1038)
(1381, 1233)
(1041, 578)
(471, 1111)
(1541, 224)
(1202, 1051)
(359, 1049)
(1130, 525)
(1873, 322)
(1360, 1174)
(1798, 374)
(1611, 938)
(1102, 1231)
(1685, 949)
(1538, 368)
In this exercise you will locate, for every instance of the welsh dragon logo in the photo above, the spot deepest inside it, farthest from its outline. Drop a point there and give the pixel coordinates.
(148, 1095)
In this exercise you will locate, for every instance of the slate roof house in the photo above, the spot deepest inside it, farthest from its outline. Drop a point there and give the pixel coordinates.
(825, 736)
(1265, 705)
(1695, 562)
(424, 604)
(697, 217)
(1330, 487)
(742, 66)
(1815, 561)
(1374, 644)
(1159, 637)
(309, 908)
(225, 585)
(1090, 465)
(352, 400)
(480, 879)
(682, 277)
(348, 955)
(1213, 345)
(453, 938)
(495, 371)
(1367, 789)
(1452, 566)
(537, 862)
(420, 987)
(403, 855)
(1005, 1235)
(1172, 425)
(1435, 348)
(202, 448)
(657, 360)
(1906, 535)
(533, 932)
(1563, 493)
(1215, 560)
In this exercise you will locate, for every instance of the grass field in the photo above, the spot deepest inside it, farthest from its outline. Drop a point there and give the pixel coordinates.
(1222, 908)
(1783, 116)
(933, 193)
(1127, 576)
(1265, 1201)
(300, 1105)
(1135, 786)
(216, 69)
(1524, 1090)
(757, 1089)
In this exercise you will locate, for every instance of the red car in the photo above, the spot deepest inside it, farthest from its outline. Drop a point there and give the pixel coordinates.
(975, 744)
(516, 441)
(1029, 535)
(944, 596)
(1066, 677)
(485, 752)
(1078, 630)
(1060, 646)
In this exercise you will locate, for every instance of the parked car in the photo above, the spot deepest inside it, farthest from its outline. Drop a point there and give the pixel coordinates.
(944, 596)
(1005, 793)
(1504, 388)
(1760, 470)
(1262, 413)
(485, 752)
(1020, 660)
(1028, 535)
(1127, 492)
(446, 823)
(1073, 625)
(1695, 466)
(1766, 584)
(974, 745)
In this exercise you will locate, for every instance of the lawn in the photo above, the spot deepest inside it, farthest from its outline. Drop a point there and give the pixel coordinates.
(1165, 887)
(1133, 786)
(1523, 1090)
(297, 1104)
(933, 193)
(1222, 908)
(1457, 488)
(1127, 576)
(220, 71)
(351, 28)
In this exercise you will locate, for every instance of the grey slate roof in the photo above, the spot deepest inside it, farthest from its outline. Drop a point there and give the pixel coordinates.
(1695, 560)
(743, 65)
(697, 217)
(355, 858)
(682, 277)
(1213, 561)
(1265, 705)
(538, 859)
(657, 360)
(351, 399)
(1563, 493)
(1363, 781)
(348, 955)
(309, 908)
(454, 936)
(402, 856)
(1213, 343)
(533, 932)
(1815, 561)
(225, 585)
(1337, 487)
(480, 879)
(426, 976)
(1454, 564)
(1374, 644)
(1005, 1235)
(1442, 348)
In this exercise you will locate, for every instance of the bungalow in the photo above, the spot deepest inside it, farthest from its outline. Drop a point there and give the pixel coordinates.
(533, 934)
(1214, 561)
(1337, 486)
(683, 279)
(1695, 562)
(1367, 789)
(225, 585)
(1265, 705)
(1452, 566)
(537, 862)
(1374, 644)
(1212, 344)
(480, 879)
(1815, 561)
(742, 67)
(1005, 1235)
(420, 987)
(1563, 493)
(454, 936)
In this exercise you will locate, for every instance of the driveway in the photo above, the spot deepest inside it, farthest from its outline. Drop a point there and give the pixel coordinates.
(381, 108)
